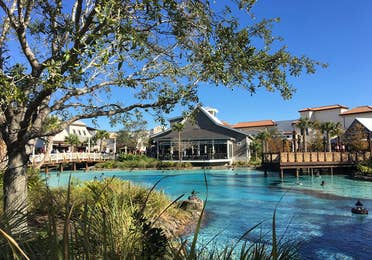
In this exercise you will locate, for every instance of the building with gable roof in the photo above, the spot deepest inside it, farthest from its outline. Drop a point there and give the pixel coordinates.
(203, 139)
(359, 134)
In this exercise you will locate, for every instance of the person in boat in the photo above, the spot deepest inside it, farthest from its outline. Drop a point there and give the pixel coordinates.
(323, 183)
(359, 209)
(359, 204)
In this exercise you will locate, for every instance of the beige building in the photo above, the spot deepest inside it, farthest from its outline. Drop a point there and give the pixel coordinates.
(330, 113)
(349, 116)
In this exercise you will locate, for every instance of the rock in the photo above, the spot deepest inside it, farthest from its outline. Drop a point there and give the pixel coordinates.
(192, 203)
(175, 226)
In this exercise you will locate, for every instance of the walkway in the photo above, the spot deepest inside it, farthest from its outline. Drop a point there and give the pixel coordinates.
(59, 159)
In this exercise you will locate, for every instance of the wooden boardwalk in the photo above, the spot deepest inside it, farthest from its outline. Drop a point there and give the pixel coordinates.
(61, 159)
(312, 160)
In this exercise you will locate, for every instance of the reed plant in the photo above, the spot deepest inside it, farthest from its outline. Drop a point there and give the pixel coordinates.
(114, 219)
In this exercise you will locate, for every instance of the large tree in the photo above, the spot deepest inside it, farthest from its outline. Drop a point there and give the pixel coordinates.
(84, 59)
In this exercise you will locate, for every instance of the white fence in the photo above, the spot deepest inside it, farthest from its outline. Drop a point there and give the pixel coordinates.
(71, 157)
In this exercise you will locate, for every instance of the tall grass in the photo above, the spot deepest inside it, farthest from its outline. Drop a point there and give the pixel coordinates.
(115, 219)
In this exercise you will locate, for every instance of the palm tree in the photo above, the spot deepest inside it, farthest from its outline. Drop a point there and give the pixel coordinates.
(304, 124)
(254, 146)
(338, 131)
(101, 135)
(329, 129)
(72, 140)
(178, 127)
(264, 137)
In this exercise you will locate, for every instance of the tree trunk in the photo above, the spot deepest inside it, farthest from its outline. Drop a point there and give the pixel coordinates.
(329, 142)
(15, 185)
(179, 147)
(305, 144)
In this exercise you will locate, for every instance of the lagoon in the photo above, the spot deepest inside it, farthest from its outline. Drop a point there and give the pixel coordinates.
(318, 217)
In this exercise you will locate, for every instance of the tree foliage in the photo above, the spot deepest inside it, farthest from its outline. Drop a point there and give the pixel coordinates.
(100, 136)
(329, 130)
(72, 140)
(304, 124)
(75, 57)
(132, 134)
(85, 59)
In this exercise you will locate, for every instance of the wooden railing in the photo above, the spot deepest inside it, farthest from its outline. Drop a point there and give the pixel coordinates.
(71, 157)
(315, 157)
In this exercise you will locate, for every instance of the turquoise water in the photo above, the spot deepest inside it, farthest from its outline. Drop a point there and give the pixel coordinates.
(317, 216)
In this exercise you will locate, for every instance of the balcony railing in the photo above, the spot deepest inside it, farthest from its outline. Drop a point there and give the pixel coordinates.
(202, 157)
(315, 157)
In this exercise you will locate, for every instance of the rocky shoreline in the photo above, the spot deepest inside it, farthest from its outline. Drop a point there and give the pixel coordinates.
(174, 226)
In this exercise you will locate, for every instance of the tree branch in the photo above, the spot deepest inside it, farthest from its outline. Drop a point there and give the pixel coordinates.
(58, 105)
(76, 14)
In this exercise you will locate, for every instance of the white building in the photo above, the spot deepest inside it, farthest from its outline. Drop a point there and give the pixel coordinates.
(77, 128)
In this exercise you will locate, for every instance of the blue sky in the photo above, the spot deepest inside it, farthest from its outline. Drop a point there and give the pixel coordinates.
(335, 32)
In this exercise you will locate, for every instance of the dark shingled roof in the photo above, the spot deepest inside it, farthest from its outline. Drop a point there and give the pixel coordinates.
(193, 134)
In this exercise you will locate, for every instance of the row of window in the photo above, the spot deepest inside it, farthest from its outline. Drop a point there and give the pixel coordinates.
(79, 131)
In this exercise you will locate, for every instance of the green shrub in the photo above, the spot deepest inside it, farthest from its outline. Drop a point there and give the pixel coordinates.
(130, 161)
(365, 167)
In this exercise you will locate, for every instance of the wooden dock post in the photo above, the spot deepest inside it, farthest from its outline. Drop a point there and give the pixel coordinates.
(61, 167)
(74, 166)
(297, 173)
(46, 169)
(281, 174)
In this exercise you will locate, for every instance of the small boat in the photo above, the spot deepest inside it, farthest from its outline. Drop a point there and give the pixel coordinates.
(359, 209)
